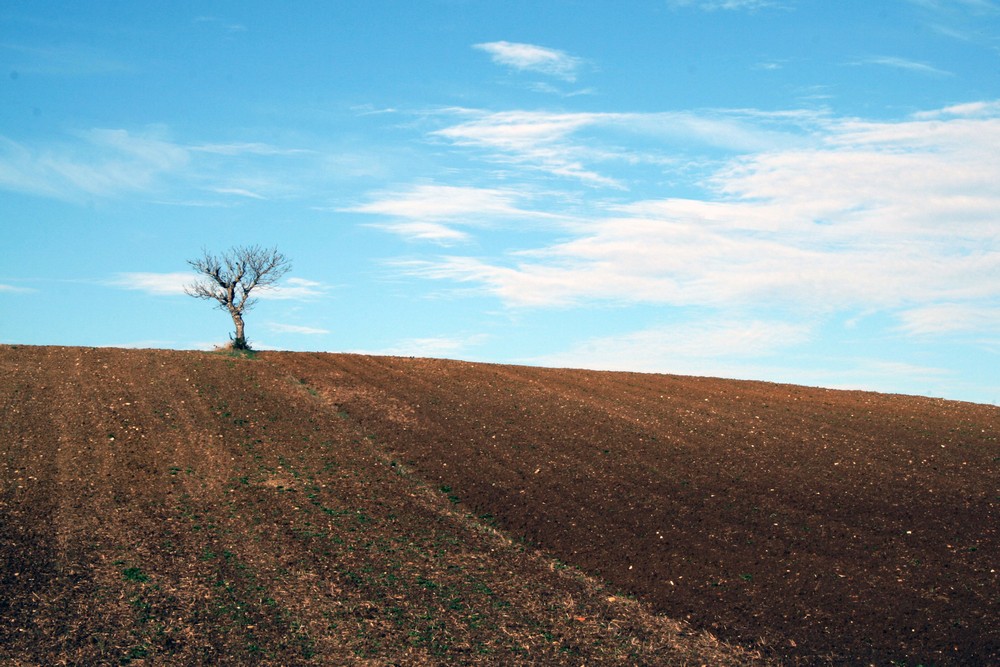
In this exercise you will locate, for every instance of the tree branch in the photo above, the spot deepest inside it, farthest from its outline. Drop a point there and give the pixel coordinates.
(230, 277)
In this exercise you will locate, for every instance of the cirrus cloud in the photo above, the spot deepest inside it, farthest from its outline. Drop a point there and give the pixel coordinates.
(713, 5)
(857, 214)
(174, 283)
(160, 284)
(429, 212)
(574, 145)
(101, 162)
(12, 289)
(297, 329)
(532, 58)
(299, 289)
(715, 345)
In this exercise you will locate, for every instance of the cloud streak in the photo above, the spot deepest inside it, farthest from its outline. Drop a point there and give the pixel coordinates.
(441, 202)
(174, 283)
(947, 318)
(11, 289)
(433, 346)
(859, 215)
(575, 145)
(297, 329)
(717, 345)
(905, 64)
(532, 58)
(534, 140)
(103, 163)
(113, 163)
(159, 284)
(296, 289)
(714, 5)
(431, 212)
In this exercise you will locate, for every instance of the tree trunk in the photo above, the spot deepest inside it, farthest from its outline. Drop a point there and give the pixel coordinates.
(240, 342)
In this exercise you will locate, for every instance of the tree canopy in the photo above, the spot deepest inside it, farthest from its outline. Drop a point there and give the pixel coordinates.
(230, 277)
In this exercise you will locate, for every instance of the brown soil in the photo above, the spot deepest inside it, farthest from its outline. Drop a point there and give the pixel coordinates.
(819, 525)
(187, 508)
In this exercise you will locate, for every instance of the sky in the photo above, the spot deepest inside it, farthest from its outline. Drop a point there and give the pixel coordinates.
(796, 191)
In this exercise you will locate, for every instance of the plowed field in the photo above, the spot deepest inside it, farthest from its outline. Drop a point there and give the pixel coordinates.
(191, 508)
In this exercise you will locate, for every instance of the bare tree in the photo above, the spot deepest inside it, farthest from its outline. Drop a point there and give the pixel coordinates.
(230, 277)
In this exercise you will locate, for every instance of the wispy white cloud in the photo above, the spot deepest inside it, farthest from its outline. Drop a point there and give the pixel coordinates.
(239, 192)
(369, 109)
(960, 19)
(248, 148)
(977, 6)
(430, 212)
(530, 139)
(435, 346)
(874, 374)
(227, 202)
(769, 65)
(229, 27)
(296, 329)
(293, 288)
(981, 109)
(713, 5)
(742, 348)
(12, 289)
(858, 215)
(946, 318)
(425, 231)
(549, 89)
(867, 374)
(103, 162)
(168, 284)
(112, 163)
(532, 58)
(685, 347)
(575, 145)
(896, 62)
(161, 284)
(441, 202)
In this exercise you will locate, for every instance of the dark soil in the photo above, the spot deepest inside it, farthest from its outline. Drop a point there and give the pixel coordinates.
(188, 508)
(816, 525)
(173, 508)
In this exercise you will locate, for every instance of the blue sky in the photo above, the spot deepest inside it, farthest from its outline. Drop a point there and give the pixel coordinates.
(790, 190)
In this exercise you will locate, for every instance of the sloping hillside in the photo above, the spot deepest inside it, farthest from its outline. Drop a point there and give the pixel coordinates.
(188, 508)
(810, 523)
(178, 508)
